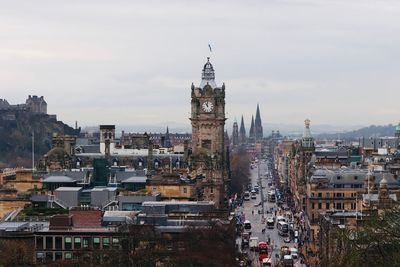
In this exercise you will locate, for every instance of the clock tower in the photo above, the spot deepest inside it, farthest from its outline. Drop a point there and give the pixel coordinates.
(208, 121)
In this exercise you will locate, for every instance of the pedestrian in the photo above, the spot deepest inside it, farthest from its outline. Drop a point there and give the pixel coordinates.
(252, 212)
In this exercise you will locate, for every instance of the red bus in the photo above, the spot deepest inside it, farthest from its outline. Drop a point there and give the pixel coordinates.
(262, 250)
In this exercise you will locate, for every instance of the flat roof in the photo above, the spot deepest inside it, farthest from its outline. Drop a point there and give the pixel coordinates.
(69, 189)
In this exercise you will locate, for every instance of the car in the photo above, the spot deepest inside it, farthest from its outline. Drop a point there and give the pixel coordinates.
(286, 239)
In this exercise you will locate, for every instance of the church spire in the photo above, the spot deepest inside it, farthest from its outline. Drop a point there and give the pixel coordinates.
(252, 133)
(242, 132)
(258, 129)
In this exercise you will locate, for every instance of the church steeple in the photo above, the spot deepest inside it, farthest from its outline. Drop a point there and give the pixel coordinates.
(252, 133)
(242, 132)
(258, 129)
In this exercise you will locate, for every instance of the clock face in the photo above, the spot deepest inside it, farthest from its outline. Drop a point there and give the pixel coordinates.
(207, 106)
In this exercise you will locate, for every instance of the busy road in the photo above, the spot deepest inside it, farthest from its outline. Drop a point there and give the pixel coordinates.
(257, 210)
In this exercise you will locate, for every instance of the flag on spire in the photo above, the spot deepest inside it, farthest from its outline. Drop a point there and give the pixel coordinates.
(209, 46)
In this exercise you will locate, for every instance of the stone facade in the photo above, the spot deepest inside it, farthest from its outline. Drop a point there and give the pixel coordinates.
(208, 121)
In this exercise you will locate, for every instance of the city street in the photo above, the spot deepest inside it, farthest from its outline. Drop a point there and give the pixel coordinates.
(254, 214)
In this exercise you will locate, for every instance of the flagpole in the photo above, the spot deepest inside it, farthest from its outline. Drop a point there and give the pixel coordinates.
(33, 151)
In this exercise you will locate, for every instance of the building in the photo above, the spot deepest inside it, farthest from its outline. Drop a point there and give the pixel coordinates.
(33, 104)
(340, 189)
(235, 135)
(36, 104)
(171, 186)
(20, 179)
(207, 162)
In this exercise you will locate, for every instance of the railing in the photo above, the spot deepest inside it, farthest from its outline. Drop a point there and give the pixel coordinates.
(114, 201)
(59, 202)
(11, 215)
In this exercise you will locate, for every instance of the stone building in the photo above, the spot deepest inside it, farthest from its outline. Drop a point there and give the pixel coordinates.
(207, 161)
(341, 189)
(235, 135)
(32, 104)
(36, 104)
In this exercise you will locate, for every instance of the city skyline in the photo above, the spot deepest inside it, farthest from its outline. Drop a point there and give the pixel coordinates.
(127, 62)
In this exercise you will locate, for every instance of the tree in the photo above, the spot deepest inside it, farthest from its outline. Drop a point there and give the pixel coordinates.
(240, 171)
(16, 253)
(376, 243)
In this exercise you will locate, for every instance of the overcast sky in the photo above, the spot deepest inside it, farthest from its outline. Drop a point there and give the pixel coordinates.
(132, 62)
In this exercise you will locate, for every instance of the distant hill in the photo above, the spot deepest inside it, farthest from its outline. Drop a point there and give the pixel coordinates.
(16, 129)
(367, 132)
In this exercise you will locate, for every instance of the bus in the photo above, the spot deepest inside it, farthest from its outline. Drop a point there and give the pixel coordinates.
(262, 251)
(283, 228)
(270, 223)
(271, 196)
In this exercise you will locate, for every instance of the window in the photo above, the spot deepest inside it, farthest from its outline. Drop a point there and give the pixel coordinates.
(106, 242)
(338, 195)
(40, 257)
(312, 194)
(312, 206)
(86, 242)
(58, 242)
(68, 243)
(211, 190)
(328, 194)
(353, 206)
(49, 242)
(68, 255)
(115, 242)
(185, 190)
(58, 256)
(339, 206)
(338, 177)
(206, 144)
(77, 243)
(327, 206)
(319, 194)
(355, 177)
(96, 242)
(319, 206)
(49, 256)
(39, 242)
